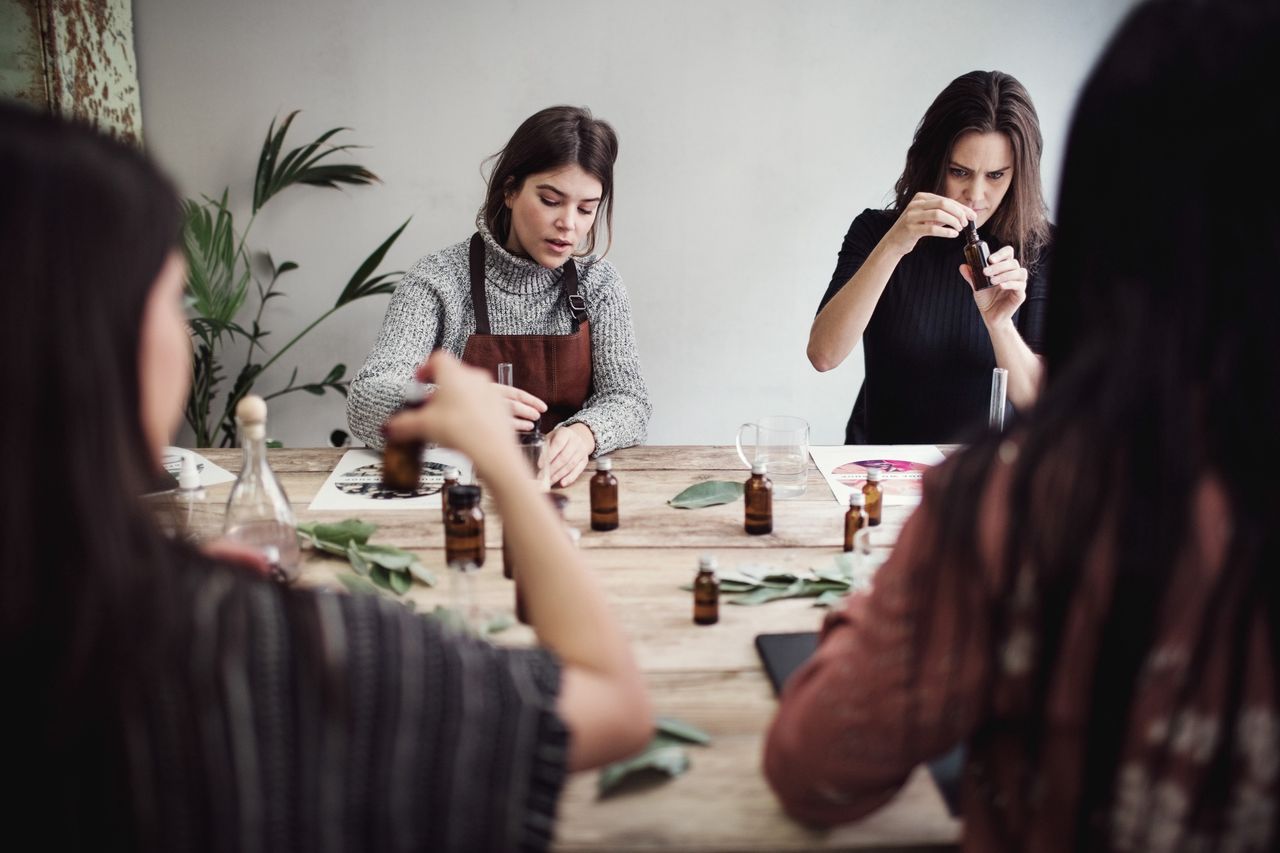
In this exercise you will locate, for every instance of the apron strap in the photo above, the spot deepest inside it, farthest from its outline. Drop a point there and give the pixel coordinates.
(478, 300)
(480, 303)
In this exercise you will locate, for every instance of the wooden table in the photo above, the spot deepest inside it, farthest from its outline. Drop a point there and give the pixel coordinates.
(709, 676)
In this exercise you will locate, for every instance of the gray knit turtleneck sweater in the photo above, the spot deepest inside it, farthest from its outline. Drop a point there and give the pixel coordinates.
(432, 308)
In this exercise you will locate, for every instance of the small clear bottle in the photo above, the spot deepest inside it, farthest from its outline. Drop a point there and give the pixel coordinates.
(402, 460)
(856, 518)
(451, 477)
(191, 502)
(757, 495)
(559, 502)
(464, 527)
(258, 511)
(604, 496)
(874, 495)
(706, 592)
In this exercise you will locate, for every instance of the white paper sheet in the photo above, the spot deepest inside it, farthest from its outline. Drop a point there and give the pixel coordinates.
(356, 482)
(903, 466)
(210, 474)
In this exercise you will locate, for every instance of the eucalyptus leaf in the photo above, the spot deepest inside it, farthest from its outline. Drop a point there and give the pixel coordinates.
(340, 533)
(400, 581)
(381, 578)
(388, 556)
(830, 598)
(498, 624)
(710, 493)
(681, 730)
(420, 572)
(358, 562)
(666, 759)
(357, 585)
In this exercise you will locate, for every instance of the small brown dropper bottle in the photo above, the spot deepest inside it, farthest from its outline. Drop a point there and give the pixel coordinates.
(757, 494)
(558, 502)
(604, 496)
(464, 527)
(451, 477)
(856, 518)
(706, 592)
(976, 255)
(874, 496)
(402, 460)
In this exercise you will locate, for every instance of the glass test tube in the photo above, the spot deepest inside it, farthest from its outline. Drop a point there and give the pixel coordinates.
(506, 373)
(999, 388)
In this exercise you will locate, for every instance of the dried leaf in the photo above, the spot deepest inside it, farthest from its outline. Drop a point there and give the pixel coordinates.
(710, 493)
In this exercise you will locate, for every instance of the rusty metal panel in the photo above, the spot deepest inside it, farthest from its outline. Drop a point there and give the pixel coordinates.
(22, 73)
(86, 62)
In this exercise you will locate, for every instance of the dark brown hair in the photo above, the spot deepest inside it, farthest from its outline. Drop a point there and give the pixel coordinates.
(546, 140)
(985, 102)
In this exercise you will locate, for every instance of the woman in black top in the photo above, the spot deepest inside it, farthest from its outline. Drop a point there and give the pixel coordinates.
(931, 340)
(158, 698)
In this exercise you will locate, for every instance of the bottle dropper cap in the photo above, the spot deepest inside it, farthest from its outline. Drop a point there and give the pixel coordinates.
(251, 413)
(857, 498)
(706, 562)
(758, 468)
(604, 463)
(189, 475)
(873, 475)
(452, 473)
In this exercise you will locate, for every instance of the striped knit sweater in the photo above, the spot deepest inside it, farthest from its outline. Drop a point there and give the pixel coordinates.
(283, 720)
(928, 353)
(432, 308)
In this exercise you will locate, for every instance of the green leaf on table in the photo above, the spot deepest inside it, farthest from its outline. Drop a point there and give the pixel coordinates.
(388, 556)
(339, 533)
(658, 757)
(830, 598)
(498, 623)
(420, 572)
(681, 730)
(357, 585)
(801, 588)
(381, 578)
(710, 493)
(400, 581)
(359, 563)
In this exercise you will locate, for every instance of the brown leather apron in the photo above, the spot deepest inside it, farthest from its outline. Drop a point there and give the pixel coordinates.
(554, 368)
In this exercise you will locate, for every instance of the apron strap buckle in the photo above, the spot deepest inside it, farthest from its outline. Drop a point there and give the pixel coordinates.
(577, 304)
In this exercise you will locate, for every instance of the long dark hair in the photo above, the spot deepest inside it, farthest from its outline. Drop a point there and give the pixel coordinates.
(1162, 374)
(985, 102)
(86, 224)
(546, 140)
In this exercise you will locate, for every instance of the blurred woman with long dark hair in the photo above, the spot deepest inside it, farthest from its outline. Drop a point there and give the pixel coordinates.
(158, 698)
(1092, 601)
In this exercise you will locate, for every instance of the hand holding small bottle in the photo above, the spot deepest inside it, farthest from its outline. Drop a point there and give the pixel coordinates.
(1009, 287)
(926, 215)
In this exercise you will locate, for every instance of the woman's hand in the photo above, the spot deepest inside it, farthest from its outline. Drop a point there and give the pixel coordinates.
(525, 408)
(229, 551)
(467, 412)
(568, 449)
(1008, 291)
(927, 215)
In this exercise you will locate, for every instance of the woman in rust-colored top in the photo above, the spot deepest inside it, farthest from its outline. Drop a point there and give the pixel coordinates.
(1091, 603)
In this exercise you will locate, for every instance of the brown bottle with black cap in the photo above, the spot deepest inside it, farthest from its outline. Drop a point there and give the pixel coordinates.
(976, 255)
(464, 527)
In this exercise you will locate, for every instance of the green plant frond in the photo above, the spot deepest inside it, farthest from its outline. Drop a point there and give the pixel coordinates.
(217, 274)
(332, 175)
(267, 160)
(361, 285)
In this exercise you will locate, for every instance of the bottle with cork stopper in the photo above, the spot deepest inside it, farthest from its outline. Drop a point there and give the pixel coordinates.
(873, 493)
(402, 459)
(757, 495)
(856, 518)
(706, 592)
(258, 511)
(604, 496)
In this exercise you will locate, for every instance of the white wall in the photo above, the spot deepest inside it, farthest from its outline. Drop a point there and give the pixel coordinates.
(751, 133)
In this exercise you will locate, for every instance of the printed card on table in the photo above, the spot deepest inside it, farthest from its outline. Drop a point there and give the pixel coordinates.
(355, 483)
(210, 474)
(902, 469)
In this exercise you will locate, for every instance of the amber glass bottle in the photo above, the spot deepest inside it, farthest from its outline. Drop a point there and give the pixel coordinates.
(874, 496)
(855, 519)
(464, 527)
(976, 255)
(604, 496)
(758, 497)
(402, 460)
(558, 501)
(706, 593)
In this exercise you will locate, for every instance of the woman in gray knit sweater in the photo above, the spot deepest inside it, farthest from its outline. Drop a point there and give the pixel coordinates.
(528, 289)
